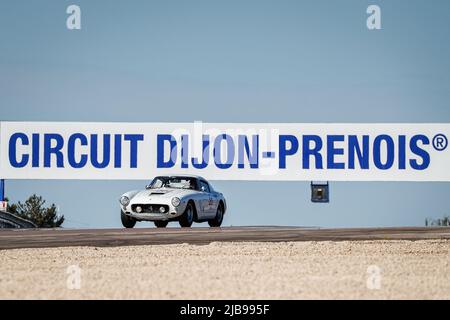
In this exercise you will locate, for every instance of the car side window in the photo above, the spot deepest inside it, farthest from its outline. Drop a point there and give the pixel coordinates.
(204, 186)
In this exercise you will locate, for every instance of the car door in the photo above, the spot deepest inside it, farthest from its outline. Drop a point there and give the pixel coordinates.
(214, 200)
(207, 202)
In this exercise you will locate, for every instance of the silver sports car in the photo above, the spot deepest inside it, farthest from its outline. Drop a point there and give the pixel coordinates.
(182, 198)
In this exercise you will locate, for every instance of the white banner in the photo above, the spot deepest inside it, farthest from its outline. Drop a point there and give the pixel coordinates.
(225, 151)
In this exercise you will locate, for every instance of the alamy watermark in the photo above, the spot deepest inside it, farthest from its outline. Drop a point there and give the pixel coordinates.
(73, 21)
(73, 281)
(373, 281)
(374, 20)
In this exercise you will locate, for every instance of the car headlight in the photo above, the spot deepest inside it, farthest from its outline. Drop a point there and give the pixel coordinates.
(176, 201)
(124, 200)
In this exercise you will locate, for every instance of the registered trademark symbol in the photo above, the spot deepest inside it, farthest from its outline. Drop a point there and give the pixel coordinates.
(440, 142)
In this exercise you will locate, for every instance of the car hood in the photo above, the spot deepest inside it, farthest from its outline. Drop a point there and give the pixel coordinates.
(154, 195)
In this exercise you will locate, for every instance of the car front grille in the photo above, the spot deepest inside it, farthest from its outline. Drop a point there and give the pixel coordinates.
(150, 208)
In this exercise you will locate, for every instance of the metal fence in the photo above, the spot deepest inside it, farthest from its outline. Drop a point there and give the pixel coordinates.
(8, 220)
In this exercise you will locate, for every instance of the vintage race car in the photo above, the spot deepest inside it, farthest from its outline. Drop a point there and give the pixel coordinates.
(182, 198)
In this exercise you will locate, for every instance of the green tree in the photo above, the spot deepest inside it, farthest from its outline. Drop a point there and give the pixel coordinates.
(33, 210)
(444, 222)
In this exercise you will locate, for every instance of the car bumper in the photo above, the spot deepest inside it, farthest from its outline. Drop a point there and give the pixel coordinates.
(172, 214)
(152, 216)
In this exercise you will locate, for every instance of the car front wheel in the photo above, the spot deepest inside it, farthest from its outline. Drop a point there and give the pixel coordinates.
(217, 221)
(127, 221)
(188, 216)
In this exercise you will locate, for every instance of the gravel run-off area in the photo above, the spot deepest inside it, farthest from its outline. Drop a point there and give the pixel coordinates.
(284, 270)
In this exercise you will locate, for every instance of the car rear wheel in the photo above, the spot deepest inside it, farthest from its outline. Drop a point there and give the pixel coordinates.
(127, 221)
(217, 221)
(161, 224)
(188, 216)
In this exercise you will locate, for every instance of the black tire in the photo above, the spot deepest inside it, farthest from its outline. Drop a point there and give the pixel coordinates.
(188, 216)
(127, 222)
(161, 224)
(217, 221)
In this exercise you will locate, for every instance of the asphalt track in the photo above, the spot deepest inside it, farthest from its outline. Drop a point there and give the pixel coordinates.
(44, 238)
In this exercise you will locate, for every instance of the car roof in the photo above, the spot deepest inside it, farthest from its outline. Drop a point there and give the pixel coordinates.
(185, 175)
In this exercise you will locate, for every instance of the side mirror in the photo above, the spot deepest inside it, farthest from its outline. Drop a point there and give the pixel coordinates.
(203, 188)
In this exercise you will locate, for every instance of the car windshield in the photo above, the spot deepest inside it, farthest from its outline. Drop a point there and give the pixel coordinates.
(173, 182)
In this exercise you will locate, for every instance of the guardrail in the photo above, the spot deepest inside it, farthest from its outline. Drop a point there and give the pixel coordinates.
(8, 220)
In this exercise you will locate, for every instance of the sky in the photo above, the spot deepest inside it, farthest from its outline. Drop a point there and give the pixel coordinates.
(231, 61)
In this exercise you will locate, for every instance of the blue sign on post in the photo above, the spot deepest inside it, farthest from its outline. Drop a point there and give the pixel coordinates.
(2, 190)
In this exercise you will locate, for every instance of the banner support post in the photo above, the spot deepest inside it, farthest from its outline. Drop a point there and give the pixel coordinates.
(2, 189)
